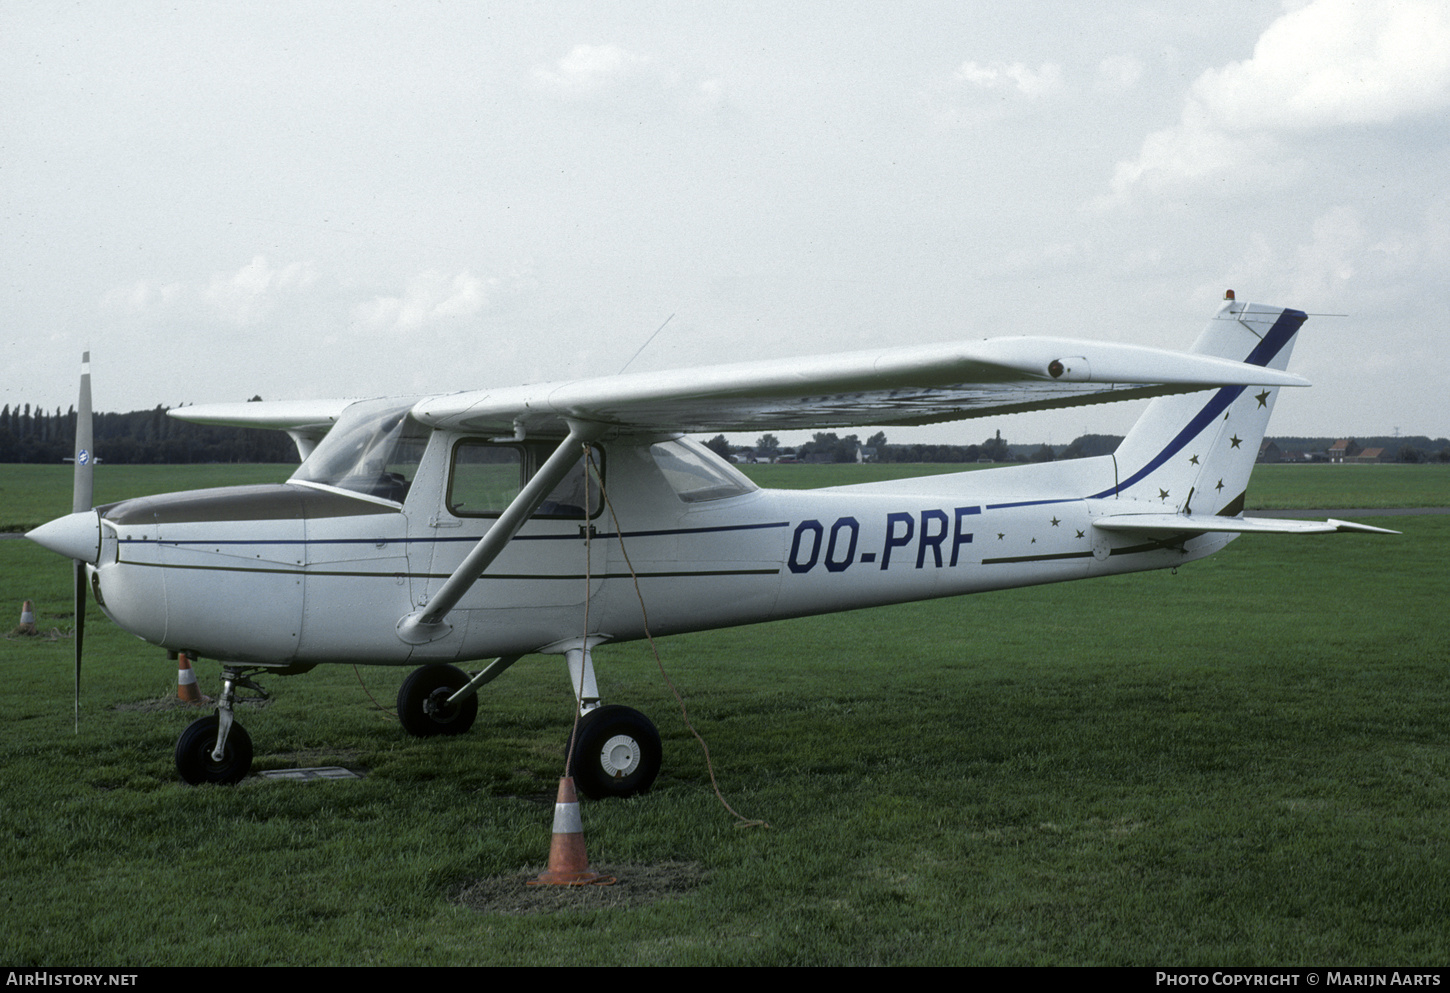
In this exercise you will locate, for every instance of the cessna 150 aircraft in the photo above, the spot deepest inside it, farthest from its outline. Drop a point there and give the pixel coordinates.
(433, 531)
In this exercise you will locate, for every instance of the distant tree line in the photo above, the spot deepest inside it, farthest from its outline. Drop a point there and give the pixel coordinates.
(142, 436)
(830, 447)
(1409, 448)
(33, 434)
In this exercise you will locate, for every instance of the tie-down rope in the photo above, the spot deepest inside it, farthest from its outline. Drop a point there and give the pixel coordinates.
(743, 822)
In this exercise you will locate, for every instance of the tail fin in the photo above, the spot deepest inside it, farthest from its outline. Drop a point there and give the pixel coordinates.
(1193, 452)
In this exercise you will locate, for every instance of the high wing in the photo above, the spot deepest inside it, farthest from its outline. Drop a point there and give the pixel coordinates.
(307, 421)
(902, 386)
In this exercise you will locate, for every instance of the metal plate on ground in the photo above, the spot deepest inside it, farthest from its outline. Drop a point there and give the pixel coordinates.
(308, 775)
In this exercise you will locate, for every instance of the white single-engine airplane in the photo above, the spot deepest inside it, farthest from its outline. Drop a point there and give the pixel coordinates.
(444, 529)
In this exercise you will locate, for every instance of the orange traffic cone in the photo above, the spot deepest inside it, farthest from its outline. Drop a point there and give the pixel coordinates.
(568, 864)
(186, 688)
(27, 619)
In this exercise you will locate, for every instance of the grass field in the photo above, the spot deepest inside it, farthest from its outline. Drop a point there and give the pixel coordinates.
(1243, 763)
(1272, 487)
(30, 495)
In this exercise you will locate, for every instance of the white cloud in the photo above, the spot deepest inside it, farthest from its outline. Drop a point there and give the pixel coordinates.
(1190, 151)
(588, 69)
(710, 94)
(979, 93)
(1332, 256)
(140, 296)
(1118, 73)
(1326, 65)
(247, 295)
(1336, 62)
(608, 74)
(428, 298)
(1028, 82)
(1348, 260)
(261, 294)
(242, 298)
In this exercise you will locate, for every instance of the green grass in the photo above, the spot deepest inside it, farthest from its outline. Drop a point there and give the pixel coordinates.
(1244, 763)
(1274, 487)
(1285, 487)
(30, 495)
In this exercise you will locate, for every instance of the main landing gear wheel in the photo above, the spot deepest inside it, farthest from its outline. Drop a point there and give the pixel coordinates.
(616, 753)
(194, 748)
(423, 706)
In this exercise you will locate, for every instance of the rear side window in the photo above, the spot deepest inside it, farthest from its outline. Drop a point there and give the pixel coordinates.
(697, 474)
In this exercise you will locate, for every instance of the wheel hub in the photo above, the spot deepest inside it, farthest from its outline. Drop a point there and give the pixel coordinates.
(620, 756)
(436, 705)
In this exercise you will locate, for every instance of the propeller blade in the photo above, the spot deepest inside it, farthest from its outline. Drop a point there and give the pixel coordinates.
(82, 492)
(84, 455)
(80, 600)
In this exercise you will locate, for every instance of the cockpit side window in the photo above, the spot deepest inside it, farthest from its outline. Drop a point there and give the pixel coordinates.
(486, 476)
(484, 479)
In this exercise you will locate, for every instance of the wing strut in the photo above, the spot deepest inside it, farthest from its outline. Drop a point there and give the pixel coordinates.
(428, 624)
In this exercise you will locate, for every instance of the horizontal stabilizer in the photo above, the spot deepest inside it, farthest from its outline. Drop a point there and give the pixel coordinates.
(1167, 524)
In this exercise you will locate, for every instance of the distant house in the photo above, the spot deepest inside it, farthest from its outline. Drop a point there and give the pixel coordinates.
(1270, 452)
(1366, 456)
(1343, 450)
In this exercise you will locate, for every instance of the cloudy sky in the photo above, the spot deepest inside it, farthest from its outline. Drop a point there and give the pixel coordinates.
(355, 199)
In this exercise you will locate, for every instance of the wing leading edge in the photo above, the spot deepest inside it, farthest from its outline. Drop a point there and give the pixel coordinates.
(307, 421)
(905, 386)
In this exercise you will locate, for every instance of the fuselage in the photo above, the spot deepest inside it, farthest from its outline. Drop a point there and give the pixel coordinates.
(308, 572)
(419, 530)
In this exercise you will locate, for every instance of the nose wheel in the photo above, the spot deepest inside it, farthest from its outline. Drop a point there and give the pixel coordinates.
(615, 753)
(217, 749)
(195, 748)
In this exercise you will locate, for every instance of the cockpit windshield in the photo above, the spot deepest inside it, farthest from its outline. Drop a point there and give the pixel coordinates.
(374, 449)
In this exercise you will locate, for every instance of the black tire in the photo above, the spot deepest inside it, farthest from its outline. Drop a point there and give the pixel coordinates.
(616, 753)
(194, 748)
(421, 702)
